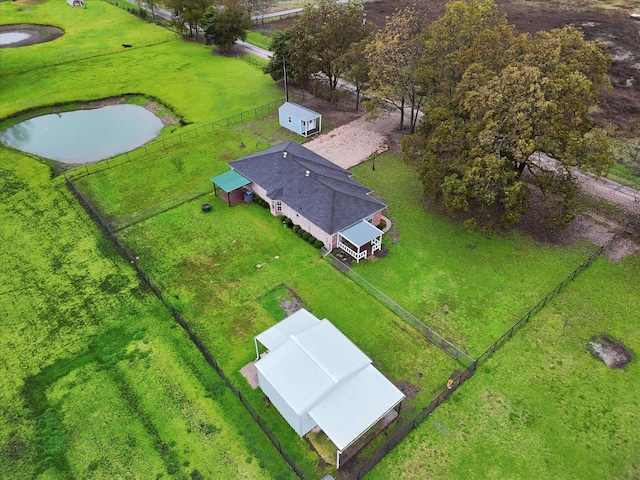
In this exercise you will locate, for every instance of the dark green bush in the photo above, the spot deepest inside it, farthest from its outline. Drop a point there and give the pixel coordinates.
(289, 222)
(305, 235)
(296, 228)
(318, 244)
(311, 239)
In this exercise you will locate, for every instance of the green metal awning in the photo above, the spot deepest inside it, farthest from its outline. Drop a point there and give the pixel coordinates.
(231, 180)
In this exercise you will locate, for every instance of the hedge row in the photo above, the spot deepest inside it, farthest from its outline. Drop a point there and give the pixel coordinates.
(306, 236)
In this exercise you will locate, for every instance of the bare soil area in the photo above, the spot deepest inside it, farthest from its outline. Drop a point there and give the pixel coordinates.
(613, 354)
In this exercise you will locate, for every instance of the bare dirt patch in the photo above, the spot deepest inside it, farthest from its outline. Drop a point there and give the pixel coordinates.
(36, 34)
(612, 353)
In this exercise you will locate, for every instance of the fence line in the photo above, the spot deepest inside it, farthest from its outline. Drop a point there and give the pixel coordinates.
(430, 334)
(549, 296)
(352, 467)
(164, 143)
(74, 56)
(133, 260)
(359, 470)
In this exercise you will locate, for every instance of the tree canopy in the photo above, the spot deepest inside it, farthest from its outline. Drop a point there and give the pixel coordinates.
(498, 98)
(393, 56)
(318, 39)
(222, 27)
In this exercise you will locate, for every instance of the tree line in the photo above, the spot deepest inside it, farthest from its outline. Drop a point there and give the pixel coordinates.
(483, 102)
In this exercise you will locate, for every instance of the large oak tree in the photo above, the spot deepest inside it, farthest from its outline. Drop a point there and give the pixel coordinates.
(501, 98)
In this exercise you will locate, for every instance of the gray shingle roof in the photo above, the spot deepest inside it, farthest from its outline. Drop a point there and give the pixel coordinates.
(327, 196)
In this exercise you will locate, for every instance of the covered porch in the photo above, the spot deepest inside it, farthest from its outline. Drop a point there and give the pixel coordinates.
(231, 185)
(360, 240)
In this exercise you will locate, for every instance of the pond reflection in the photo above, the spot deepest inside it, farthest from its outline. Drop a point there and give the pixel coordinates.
(84, 135)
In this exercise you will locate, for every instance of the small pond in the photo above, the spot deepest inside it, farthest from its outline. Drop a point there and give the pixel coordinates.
(84, 135)
(13, 37)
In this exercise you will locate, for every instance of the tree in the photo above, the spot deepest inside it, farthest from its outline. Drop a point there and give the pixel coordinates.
(357, 67)
(187, 13)
(322, 35)
(280, 42)
(151, 5)
(393, 55)
(222, 28)
(512, 96)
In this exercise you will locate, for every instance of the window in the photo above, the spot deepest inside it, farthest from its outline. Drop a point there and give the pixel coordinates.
(289, 119)
(370, 219)
(304, 124)
(279, 206)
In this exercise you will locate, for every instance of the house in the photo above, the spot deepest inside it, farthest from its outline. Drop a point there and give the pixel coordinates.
(316, 377)
(299, 119)
(313, 192)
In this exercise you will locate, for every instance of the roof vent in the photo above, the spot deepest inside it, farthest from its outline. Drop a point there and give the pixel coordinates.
(284, 154)
(306, 174)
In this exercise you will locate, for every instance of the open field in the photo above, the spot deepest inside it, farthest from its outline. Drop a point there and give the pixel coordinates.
(542, 407)
(197, 85)
(96, 380)
(473, 300)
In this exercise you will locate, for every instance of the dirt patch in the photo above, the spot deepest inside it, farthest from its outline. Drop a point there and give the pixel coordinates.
(350, 144)
(409, 389)
(293, 304)
(612, 353)
(36, 34)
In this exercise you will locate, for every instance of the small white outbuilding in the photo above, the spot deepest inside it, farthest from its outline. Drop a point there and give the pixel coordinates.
(299, 119)
(315, 376)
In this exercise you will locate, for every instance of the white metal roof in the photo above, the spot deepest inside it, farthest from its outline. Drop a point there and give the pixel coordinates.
(354, 406)
(361, 233)
(295, 323)
(319, 371)
(310, 363)
(331, 350)
(297, 378)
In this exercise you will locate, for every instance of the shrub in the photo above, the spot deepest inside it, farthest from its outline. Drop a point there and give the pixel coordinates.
(289, 222)
(305, 235)
(296, 228)
(382, 225)
(311, 239)
(318, 244)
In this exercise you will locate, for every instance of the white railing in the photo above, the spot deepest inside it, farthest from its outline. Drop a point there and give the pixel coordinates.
(353, 253)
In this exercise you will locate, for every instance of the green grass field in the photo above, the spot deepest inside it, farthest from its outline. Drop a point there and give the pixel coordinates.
(96, 379)
(197, 85)
(542, 407)
(468, 286)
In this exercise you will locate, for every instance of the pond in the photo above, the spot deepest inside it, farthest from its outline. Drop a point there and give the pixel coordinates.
(84, 135)
(13, 37)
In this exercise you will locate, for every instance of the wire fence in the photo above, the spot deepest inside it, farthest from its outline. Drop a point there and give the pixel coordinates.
(430, 334)
(167, 142)
(77, 54)
(133, 260)
(356, 469)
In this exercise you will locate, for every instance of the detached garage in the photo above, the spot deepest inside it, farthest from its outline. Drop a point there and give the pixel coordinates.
(316, 377)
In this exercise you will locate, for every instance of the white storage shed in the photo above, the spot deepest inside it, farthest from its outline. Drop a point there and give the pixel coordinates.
(315, 376)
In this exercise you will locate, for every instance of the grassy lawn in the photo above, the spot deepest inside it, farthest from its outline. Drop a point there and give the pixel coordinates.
(96, 380)
(469, 287)
(197, 85)
(206, 263)
(542, 406)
